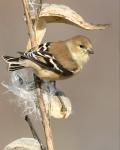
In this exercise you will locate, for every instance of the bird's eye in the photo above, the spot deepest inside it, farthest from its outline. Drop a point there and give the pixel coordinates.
(82, 46)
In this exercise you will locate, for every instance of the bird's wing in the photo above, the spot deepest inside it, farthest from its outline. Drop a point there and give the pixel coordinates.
(47, 60)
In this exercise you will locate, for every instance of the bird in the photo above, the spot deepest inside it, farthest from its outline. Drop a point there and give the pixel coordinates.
(54, 60)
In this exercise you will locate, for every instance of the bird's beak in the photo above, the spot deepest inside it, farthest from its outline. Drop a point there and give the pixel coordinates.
(90, 51)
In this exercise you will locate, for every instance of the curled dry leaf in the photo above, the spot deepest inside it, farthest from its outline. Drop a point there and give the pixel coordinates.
(54, 13)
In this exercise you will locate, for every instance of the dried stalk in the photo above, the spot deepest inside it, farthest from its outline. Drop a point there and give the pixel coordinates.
(44, 115)
(34, 132)
(29, 23)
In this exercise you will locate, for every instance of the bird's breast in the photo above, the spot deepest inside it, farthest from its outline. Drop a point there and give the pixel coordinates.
(50, 75)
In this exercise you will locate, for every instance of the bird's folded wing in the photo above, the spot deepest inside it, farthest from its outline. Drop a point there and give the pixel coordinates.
(44, 58)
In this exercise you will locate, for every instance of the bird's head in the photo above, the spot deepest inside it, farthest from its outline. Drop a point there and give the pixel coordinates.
(81, 48)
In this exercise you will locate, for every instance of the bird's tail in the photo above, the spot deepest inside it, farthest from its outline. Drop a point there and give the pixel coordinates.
(14, 63)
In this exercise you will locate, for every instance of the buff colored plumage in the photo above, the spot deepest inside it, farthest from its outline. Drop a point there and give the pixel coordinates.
(55, 60)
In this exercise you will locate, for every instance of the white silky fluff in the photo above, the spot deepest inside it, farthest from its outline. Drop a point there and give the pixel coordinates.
(22, 85)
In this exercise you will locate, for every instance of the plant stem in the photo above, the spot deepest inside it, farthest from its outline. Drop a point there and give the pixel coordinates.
(44, 114)
(28, 120)
(29, 23)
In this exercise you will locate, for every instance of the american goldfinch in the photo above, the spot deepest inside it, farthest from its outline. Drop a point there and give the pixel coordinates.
(54, 60)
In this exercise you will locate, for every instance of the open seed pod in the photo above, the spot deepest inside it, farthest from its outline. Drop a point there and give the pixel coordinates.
(54, 13)
(23, 144)
(58, 107)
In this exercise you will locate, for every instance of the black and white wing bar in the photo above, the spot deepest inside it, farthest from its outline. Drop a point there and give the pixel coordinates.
(51, 62)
